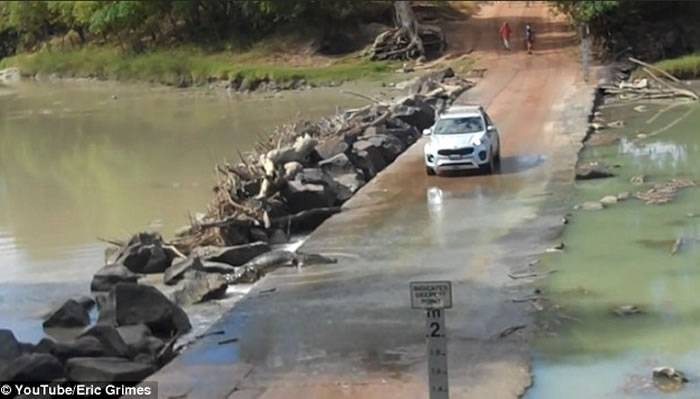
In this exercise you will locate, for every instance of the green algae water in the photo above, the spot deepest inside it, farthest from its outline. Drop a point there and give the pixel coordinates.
(622, 255)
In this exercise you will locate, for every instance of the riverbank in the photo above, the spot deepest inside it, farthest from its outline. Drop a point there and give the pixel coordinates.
(623, 284)
(183, 67)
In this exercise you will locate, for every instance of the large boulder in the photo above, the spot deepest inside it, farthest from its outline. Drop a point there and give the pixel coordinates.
(593, 170)
(390, 146)
(142, 304)
(32, 367)
(331, 147)
(347, 184)
(201, 287)
(233, 255)
(407, 135)
(9, 346)
(368, 157)
(106, 369)
(110, 339)
(144, 253)
(337, 165)
(79, 347)
(110, 275)
(419, 115)
(302, 196)
(140, 340)
(70, 314)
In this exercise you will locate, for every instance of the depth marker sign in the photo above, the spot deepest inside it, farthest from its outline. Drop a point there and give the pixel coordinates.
(434, 297)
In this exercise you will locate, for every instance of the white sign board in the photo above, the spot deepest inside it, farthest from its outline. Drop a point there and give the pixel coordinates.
(431, 294)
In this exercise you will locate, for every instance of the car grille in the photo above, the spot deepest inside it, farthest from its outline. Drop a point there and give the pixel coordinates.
(457, 151)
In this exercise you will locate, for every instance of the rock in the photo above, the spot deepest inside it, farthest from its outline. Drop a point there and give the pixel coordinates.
(368, 157)
(668, 379)
(627, 310)
(110, 275)
(201, 287)
(347, 185)
(233, 255)
(141, 304)
(616, 124)
(106, 369)
(623, 196)
(278, 236)
(173, 274)
(70, 314)
(79, 347)
(609, 200)
(337, 165)
(144, 254)
(110, 338)
(133, 334)
(9, 346)
(407, 135)
(372, 130)
(592, 206)
(291, 169)
(331, 147)
(106, 309)
(390, 146)
(592, 170)
(596, 126)
(420, 116)
(32, 367)
(10, 75)
(300, 196)
(86, 301)
(272, 259)
(638, 180)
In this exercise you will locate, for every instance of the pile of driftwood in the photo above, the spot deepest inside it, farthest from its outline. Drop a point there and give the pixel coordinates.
(410, 39)
(303, 172)
(659, 84)
(664, 192)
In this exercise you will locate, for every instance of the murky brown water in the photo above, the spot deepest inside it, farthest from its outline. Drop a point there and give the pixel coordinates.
(81, 160)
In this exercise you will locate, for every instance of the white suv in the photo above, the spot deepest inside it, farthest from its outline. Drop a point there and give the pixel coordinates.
(462, 138)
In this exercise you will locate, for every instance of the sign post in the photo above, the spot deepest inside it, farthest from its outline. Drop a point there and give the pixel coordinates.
(434, 297)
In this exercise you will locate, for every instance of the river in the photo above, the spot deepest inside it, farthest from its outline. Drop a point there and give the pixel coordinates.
(622, 255)
(82, 160)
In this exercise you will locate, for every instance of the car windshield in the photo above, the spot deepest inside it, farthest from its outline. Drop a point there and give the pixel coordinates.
(468, 124)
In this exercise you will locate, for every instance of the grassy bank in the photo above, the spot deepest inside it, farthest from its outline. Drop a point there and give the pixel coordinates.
(192, 66)
(686, 67)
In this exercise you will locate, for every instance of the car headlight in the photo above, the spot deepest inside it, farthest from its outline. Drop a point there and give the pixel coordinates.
(477, 141)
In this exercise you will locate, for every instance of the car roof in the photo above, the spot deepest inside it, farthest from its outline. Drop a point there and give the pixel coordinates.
(463, 110)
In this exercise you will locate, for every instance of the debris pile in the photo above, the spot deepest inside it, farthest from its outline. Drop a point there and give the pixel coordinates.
(665, 192)
(304, 171)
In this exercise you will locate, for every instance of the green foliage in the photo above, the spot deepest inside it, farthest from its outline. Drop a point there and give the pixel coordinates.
(138, 23)
(185, 65)
(686, 67)
(585, 10)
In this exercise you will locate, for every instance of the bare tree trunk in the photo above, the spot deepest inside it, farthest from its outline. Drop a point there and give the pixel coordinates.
(410, 39)
(405, 20)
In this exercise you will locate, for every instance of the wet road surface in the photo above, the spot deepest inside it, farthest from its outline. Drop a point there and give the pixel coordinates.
(347, 330)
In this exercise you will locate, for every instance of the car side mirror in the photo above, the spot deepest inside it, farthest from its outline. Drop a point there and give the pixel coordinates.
(426, 132)
(491, 128)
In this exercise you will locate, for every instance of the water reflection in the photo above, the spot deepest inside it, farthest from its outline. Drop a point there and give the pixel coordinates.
(665, 154)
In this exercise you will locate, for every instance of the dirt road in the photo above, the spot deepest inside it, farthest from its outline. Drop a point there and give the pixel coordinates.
(347, 330)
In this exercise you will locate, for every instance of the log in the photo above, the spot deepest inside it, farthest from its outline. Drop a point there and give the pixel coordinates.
(644, 64)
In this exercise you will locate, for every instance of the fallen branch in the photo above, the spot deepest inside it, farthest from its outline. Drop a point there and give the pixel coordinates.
(510, 330)
(644, 64)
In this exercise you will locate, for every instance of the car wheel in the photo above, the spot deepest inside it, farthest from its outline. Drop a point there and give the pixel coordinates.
(429, 171)
(489, 167)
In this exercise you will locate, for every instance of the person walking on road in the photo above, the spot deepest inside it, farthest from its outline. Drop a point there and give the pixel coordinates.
(529, 38)
(505, 32)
